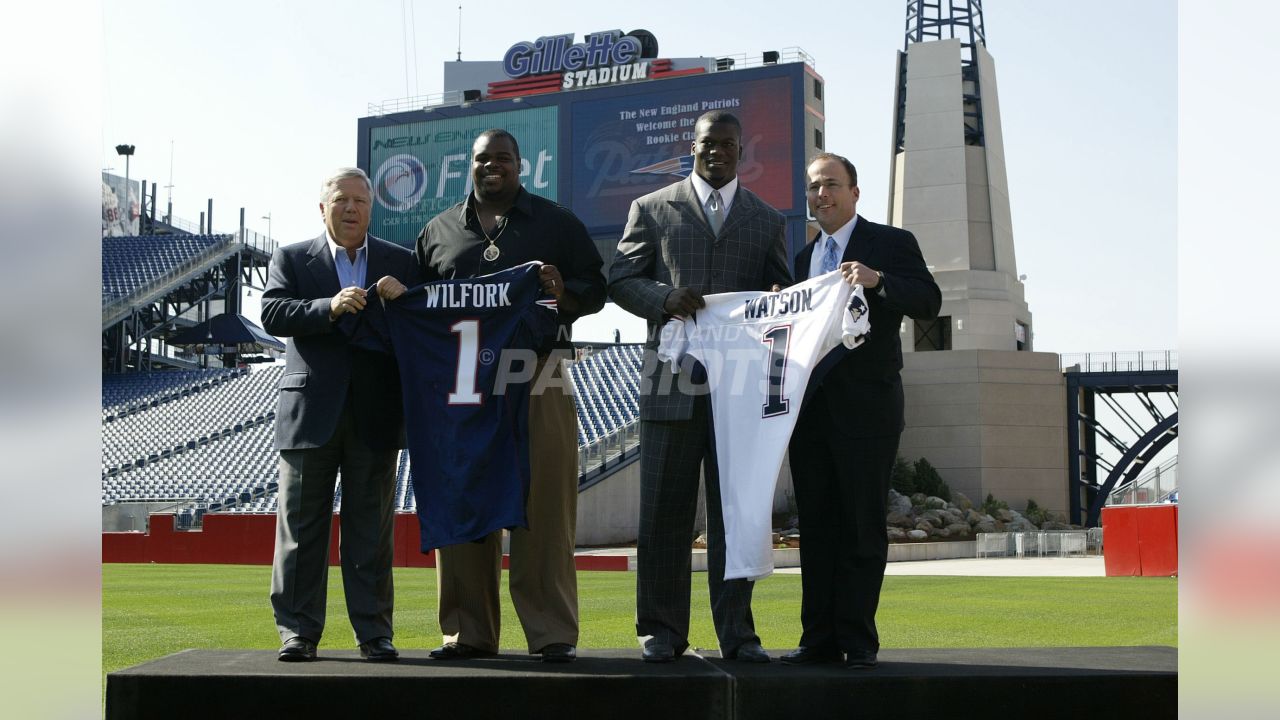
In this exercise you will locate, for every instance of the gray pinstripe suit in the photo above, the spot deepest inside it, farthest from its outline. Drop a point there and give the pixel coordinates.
(668, 244)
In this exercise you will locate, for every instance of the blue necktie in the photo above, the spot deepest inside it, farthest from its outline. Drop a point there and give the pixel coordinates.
(829, 258)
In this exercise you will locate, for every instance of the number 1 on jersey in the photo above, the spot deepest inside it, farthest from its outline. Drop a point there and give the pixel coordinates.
(778, 339)
(464, 385)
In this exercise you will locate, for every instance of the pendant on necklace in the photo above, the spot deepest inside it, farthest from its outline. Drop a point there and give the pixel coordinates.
(491, 253)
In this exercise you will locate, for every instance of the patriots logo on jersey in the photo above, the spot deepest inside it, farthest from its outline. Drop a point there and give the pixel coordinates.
(857, 307)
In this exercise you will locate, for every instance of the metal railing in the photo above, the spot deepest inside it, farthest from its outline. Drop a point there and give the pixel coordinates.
(251, 238)
(609, 448)
(258, 241)
(1124, 361)
(718, 63)
(111, 311)
(415, 102)
(1155, 487)
(1058, 543)
(742, 61)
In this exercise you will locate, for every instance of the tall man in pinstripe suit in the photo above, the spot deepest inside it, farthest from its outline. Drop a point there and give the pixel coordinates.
(703, 235)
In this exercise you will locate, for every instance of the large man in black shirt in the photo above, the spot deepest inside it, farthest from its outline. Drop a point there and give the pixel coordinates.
(500, 225)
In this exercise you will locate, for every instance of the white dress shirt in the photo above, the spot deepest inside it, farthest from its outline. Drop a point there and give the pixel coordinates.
(820, 249)
(704, 190)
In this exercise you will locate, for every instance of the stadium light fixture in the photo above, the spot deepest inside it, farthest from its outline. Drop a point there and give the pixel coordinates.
(127, 152)
(770, 57)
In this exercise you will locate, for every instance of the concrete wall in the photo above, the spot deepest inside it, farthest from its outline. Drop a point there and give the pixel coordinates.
(609, 512)
(131, 517)
(990, 422)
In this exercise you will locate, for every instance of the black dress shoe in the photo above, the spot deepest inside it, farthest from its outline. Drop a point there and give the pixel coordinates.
(861, 660)
(810, 655)
(658, 652)
(297, 649)
(379, 650)
(558, 653)
(459, 651)
(750, 651)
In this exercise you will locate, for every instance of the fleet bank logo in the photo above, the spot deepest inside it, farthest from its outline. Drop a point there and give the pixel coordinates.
(400, 182)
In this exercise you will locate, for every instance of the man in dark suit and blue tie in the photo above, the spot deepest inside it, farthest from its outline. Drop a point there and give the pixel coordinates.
(340, 408)
(846, 438)
(703, 235)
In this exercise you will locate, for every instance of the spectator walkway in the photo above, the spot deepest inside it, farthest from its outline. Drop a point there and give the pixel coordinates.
(1091, 566)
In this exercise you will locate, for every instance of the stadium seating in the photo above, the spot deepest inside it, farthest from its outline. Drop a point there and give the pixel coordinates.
(132, 263)
(126, 393)
(203, 439)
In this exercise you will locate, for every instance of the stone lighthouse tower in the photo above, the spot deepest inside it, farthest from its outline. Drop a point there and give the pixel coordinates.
(988, 412)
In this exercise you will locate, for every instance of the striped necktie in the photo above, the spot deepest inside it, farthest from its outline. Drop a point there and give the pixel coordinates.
(829, 258)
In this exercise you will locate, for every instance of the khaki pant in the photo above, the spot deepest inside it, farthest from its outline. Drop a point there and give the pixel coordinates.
(544, 583)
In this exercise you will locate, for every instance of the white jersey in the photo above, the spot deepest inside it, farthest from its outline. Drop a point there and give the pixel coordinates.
(759, 349)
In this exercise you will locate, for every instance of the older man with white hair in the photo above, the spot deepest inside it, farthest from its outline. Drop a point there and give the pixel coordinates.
(340, 409)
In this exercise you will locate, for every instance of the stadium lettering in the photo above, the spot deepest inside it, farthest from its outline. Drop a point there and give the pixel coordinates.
(443, 136)
(468, 295)
(558, 53)
(400, 142)
(605, 76)
(783, 303)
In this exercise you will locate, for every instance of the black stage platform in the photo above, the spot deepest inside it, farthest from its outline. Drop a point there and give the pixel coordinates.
(614, 685)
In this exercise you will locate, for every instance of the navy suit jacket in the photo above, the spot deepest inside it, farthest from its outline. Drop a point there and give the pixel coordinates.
(869, 374)
(322, 368)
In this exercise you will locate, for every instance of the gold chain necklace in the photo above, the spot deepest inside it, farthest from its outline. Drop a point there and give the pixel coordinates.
(491, 252)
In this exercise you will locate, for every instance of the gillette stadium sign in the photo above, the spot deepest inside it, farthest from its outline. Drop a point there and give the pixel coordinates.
(602, 58)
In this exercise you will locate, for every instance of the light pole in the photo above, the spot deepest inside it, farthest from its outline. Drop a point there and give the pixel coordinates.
(127, 152)
(267, 217)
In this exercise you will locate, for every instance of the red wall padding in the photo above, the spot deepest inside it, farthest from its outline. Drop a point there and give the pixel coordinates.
(1140, 540)
(237, 540)
(250, 540)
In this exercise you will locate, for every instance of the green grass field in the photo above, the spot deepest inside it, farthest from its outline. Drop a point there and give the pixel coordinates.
(149, 611)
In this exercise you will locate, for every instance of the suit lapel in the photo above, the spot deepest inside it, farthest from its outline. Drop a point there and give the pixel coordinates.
(744, 206)
(686, 203)
(376, 265)
(861, 242)
(804, 259)
(321, 266)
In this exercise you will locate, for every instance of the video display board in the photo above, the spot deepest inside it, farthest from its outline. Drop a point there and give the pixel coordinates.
(422, 168)
(627, 146)
(593, 151)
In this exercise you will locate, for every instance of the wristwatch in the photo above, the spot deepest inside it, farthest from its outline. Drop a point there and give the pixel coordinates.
(880, 283)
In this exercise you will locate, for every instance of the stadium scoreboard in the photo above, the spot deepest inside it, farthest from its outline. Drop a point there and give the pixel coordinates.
(598, 125)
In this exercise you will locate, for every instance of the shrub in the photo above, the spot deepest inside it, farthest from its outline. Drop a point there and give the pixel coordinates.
(929, 482)
(1035, 513)
(903, 477)
(991, 505)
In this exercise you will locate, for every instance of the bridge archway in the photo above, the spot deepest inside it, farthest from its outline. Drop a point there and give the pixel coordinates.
(1092, 385)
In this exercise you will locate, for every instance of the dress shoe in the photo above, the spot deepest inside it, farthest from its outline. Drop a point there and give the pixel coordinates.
(379, 650)
(750, 651)
(658, 652)
(297, 649)
(809, 655)
(860, 660)
(558, 653)
(459, 651)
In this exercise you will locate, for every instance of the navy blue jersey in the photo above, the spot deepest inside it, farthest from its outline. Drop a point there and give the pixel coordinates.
(465, 351)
